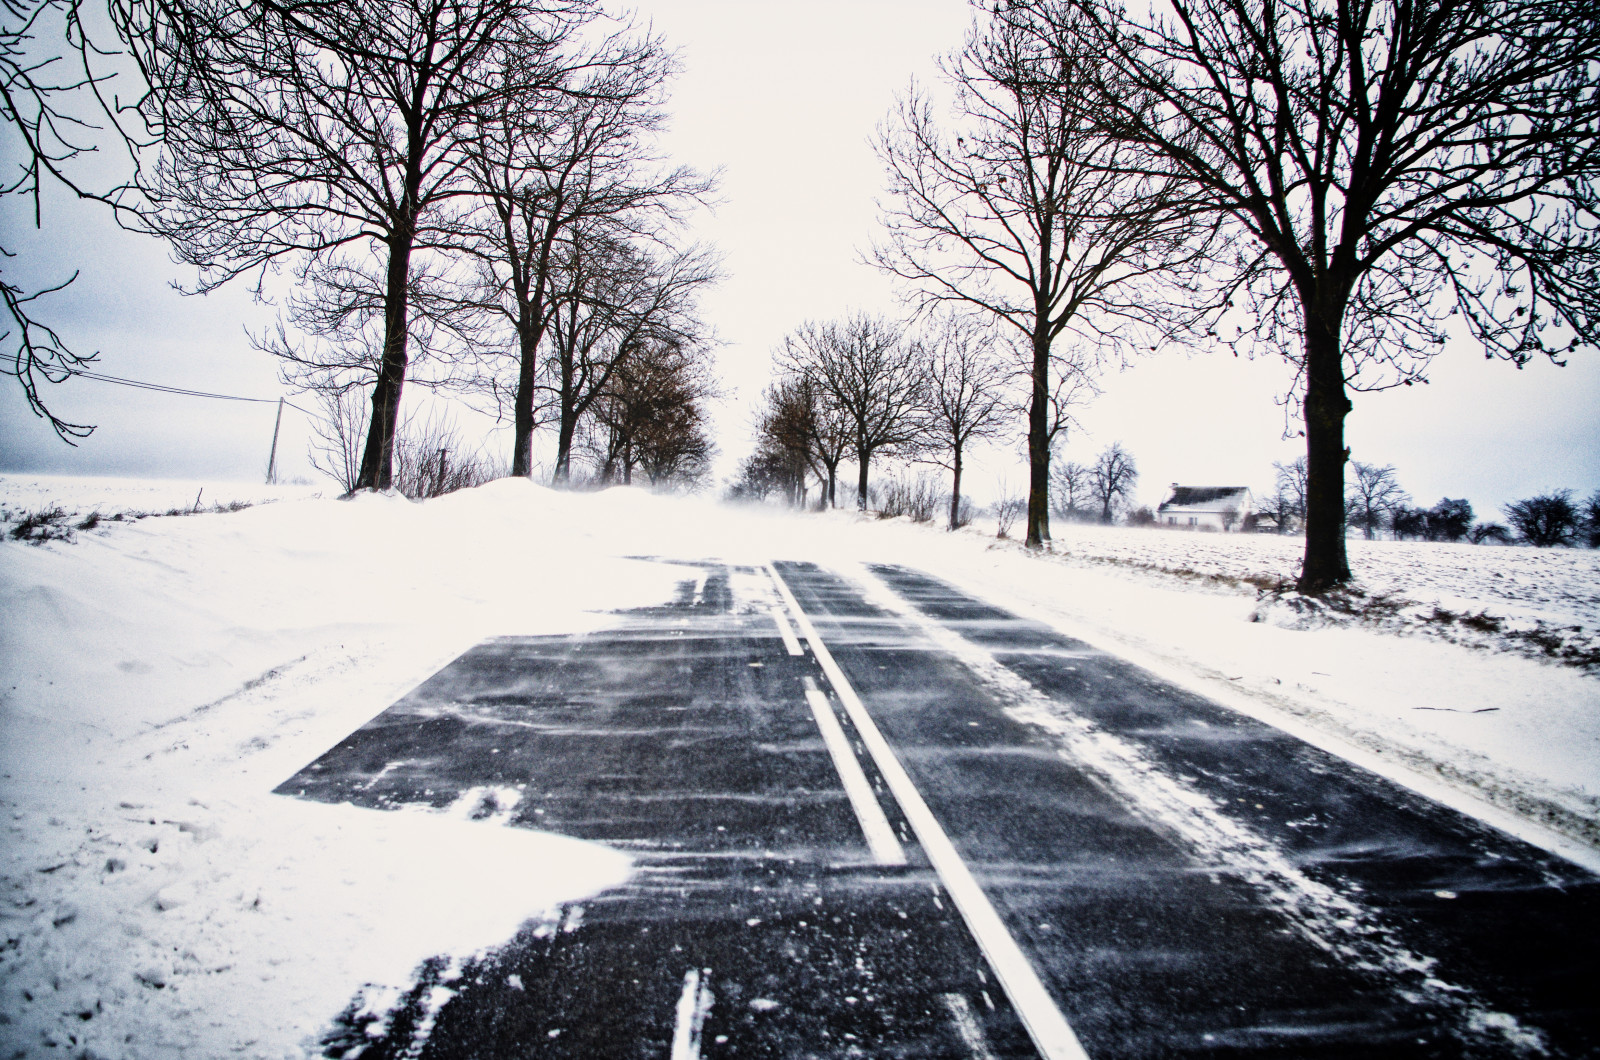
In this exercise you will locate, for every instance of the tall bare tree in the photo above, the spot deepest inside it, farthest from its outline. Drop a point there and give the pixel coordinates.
(1070, 482)
(1026, 209)
(967, 398)
(614, 298)
(863, 367)
(652, 416)
(546, 173)
(1392, 172)
(1374, 494)
(784, 430)
(1111, 479)
(296, 130)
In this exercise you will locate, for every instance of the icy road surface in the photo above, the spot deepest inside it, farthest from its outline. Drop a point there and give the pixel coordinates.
(873, 816)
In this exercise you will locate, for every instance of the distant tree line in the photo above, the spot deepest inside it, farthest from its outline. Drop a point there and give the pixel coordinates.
(859, 388)
(1375, 503)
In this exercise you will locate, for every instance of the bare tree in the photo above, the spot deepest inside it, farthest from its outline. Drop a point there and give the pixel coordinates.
(652, 416)
(1111, 479)
(613, 299)
(1070, 488)
(543, 175)
(58, 103)
(862, 366)
(296, 130)
(1280, 506)
(966, 395)
(1374, 495)
(1386, 168)
(817, 431)
(1290, 485)
(785, 433)
(1546, 520)
(782, 458)
(1026, 209)
(335, 447)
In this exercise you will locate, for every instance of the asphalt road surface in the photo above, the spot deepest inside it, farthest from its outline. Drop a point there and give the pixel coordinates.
(885, 819)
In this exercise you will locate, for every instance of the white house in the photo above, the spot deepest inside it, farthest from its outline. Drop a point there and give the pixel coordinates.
(1205, 507)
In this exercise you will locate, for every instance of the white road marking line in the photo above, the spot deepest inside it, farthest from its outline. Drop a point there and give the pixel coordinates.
(786, 631)
(968, 1027)
(1038, 1011)
(886, 849)
(694, 1004)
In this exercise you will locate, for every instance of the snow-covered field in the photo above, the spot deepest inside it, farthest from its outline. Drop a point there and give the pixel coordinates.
(162, 675)
(1544, 603)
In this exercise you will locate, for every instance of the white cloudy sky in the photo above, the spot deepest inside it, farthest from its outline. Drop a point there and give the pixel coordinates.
(785, 98)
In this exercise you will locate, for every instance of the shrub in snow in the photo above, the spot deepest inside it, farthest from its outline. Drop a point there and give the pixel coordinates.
(46, 524)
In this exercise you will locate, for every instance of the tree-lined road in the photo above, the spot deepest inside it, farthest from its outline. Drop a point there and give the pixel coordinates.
(914, 825)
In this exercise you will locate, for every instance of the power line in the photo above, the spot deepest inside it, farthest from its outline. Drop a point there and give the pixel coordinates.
(161, 388)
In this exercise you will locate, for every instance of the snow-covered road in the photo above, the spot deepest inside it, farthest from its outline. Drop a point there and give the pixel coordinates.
(164, 675)
(1082, 859)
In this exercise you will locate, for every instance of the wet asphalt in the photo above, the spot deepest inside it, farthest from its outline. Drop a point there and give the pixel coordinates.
(1353, 917)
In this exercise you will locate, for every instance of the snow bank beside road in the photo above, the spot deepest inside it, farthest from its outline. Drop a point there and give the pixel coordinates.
(163, 676)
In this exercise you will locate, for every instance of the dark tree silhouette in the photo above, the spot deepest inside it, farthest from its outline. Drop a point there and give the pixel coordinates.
(784, 440)
(1290, 485)
(1387, 168)
(1449, 520)
(613, 298)
(1409, 522)
(1590, 522)
(966, 395)
(652, 416)
(1374, 493)
(1546, 520)
(1070, 488)
(1027, 209)
(1111, 479)
(297, 130)
(864, 368)
(545, 175)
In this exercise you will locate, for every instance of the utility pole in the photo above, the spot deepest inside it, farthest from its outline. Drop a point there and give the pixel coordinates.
(272, 461)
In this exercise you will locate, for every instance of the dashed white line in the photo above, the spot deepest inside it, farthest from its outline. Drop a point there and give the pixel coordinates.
(968, 1027)
(786, 631)
(886, 849)
(1046, 1025)
(694, 1005)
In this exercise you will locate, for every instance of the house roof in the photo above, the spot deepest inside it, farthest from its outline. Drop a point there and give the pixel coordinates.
(1206, 498)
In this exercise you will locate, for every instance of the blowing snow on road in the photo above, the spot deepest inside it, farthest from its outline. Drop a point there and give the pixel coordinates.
(524, 773)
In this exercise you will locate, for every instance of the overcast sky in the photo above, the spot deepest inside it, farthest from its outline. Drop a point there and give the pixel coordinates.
(785, 99)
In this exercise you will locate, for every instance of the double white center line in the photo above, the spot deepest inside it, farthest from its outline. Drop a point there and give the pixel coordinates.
(1038, 1011)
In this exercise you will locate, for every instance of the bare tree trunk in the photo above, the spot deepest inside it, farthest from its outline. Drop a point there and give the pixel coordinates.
(833, 478)
(1039, 442)
(1326, 564)
(564, 435)
(377, 461)
(862, 457)
(955, 491)
(522, 417)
